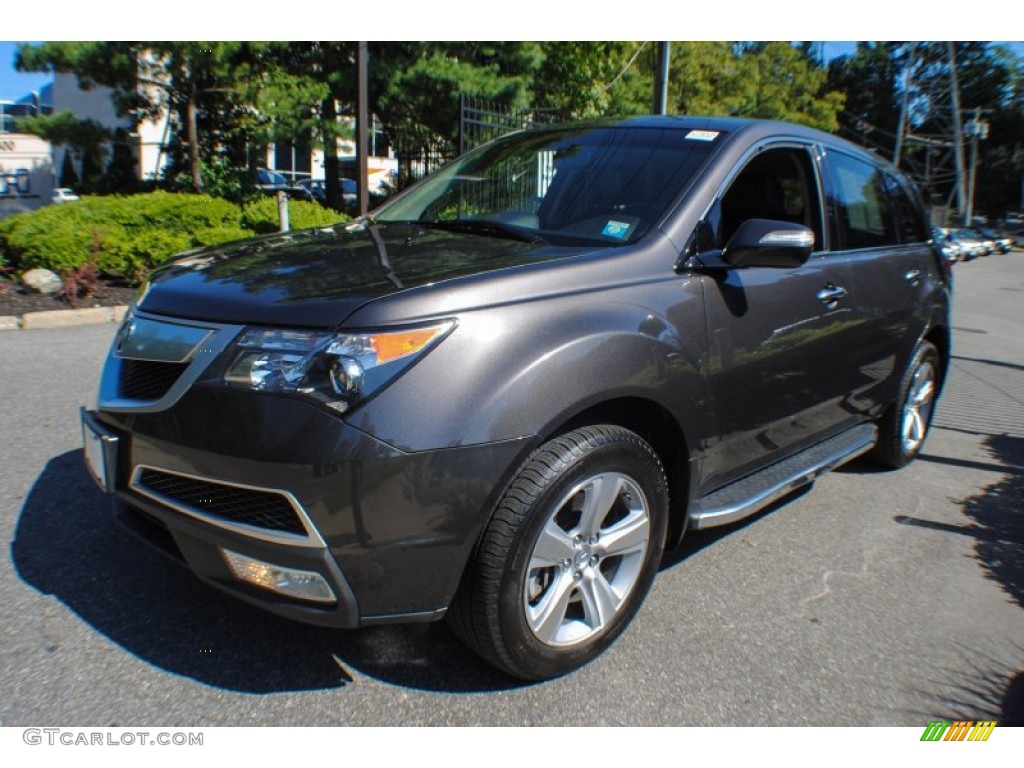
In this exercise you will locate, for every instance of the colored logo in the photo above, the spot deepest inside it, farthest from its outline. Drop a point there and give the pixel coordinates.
(616, 229)
(961, 730)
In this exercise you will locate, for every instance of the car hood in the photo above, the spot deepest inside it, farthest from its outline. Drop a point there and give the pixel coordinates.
(318, 277)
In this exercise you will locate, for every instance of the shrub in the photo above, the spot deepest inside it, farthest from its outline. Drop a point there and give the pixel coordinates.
(218, 235)
(129, 235)
(143, 251)
(126, 235)
(261, 215)
(53, 242)
(185, 214)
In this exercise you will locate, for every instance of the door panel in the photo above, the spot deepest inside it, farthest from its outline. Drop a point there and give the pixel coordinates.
(888, 284)
(778, 366)
(873, 216)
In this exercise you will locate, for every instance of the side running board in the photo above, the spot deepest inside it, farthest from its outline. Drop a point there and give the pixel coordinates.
(746, 496)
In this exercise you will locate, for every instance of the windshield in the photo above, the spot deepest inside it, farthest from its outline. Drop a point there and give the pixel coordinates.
(566, 184)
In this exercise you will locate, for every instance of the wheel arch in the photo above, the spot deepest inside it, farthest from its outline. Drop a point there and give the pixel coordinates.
(656, 425)
(939, 335)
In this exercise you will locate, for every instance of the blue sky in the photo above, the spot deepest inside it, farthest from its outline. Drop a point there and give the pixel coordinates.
(14, 85)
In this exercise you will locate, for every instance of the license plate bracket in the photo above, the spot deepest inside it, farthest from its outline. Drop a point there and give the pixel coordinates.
(99, 446)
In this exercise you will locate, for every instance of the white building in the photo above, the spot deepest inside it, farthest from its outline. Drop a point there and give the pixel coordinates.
(150, 136)
(26, 173)
(300, 161)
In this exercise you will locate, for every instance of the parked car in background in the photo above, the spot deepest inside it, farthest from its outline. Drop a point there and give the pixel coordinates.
(1000, 242)
(317, 188)
(63, 195)
(271, 182)
(987, 240)
(950, 248)
(971, 245)
(503, 395)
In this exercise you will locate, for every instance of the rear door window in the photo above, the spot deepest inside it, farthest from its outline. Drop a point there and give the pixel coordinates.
(861, 203)
(909, 225)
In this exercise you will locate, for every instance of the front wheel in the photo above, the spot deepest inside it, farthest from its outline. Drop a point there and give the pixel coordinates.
(903, 429)
(569, 555)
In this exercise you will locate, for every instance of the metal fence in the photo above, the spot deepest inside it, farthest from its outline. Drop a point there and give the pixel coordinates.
(480, 121)
(418, 158)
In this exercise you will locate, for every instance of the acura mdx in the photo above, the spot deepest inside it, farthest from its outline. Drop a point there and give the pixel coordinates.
(503, 395)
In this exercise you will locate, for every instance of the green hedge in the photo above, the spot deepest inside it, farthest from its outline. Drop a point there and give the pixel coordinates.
(129, 235)
(261, 215)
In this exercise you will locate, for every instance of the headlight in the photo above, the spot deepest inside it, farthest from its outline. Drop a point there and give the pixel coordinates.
(337, 369)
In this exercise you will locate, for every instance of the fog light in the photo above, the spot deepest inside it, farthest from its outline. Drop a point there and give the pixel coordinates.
(305, 585)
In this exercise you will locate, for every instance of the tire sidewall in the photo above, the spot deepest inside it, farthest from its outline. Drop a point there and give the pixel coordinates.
(644, 469)
(925, 352)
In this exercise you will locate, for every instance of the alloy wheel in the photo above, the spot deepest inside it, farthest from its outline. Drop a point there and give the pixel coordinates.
(587, 559)
(917, 410)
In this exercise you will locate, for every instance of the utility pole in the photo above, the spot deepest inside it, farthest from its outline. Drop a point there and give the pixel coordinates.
(660, 103)
(958, 135)
(902, 129)
(362, 111)
(977, 130)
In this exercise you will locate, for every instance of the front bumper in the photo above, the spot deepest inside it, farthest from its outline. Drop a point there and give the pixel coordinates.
(389, 531)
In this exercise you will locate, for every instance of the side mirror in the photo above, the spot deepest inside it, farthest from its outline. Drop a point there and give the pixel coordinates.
(769, 243)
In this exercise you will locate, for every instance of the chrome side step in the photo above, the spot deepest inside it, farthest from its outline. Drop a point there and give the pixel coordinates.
(746, 496)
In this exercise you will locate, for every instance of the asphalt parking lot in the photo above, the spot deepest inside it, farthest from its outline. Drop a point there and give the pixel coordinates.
(876, 598)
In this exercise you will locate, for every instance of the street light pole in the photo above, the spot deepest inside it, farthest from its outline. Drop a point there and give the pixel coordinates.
(660, 106)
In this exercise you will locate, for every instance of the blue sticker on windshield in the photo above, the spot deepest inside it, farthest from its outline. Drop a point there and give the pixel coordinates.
(616, 229)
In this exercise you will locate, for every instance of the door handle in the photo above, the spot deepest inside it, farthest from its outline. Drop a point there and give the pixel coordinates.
(831, 294)
(913, 276)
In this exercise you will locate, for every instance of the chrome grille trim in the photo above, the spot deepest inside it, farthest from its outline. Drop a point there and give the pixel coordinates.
(312, 538)
(217, 339)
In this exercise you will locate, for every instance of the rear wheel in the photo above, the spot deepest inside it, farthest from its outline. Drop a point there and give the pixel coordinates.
(569, 555)
(903, 429)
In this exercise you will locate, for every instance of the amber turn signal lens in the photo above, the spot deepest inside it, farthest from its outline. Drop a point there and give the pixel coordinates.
(391, 346)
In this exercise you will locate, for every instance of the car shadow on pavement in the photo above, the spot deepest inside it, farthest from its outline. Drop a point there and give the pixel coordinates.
(998, 363)
(67, 545)
(695, 541)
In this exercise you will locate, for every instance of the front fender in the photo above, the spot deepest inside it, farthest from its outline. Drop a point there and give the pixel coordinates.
(520, 370)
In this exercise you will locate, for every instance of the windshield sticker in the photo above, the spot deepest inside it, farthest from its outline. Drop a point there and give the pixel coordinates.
(616, 229)
(702, 135)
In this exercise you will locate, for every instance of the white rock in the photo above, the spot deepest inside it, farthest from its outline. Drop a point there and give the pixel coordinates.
(42, 281)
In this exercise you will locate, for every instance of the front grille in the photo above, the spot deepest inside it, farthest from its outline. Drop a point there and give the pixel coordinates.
(262, 509)
(148, 380)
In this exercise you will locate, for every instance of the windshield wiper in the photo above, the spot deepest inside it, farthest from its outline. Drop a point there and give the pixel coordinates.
(485, 227)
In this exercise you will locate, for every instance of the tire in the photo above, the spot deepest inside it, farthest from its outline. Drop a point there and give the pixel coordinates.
(904, 427)
(568, 556)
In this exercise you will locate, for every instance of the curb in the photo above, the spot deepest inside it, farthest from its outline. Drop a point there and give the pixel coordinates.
(63, 318)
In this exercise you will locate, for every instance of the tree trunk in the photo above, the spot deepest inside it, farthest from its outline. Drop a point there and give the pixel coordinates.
(193, 143)
(332, 167)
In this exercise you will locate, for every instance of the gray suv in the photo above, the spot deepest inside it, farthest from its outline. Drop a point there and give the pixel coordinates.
(501, 397)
